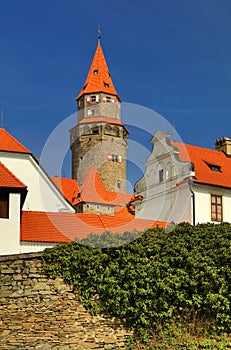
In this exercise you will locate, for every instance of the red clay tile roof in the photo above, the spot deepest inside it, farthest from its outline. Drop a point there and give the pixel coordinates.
(101, 119)
(98, 78)
(40, 226)
(94, 191)
(68, 187)
(10, 144)
(65, 227)
(202, 158)
(9, 180)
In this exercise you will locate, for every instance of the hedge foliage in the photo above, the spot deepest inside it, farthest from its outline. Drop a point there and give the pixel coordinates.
(183, 275)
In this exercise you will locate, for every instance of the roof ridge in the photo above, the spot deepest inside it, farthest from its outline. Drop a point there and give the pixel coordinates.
(194, 146)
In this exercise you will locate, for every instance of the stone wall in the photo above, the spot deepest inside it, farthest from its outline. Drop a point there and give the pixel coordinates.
(41, 313)
(93, 149)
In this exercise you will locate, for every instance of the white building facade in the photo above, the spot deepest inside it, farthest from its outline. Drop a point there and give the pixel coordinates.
(185, 183)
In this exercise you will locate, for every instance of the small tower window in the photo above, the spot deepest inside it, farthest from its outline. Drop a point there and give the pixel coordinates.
(90, 112)
(95, 130)
(95, 71)
(94, 98)
(118, 184)
(108, 99)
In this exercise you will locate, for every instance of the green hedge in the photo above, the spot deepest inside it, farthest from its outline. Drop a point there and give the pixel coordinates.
(182, 276)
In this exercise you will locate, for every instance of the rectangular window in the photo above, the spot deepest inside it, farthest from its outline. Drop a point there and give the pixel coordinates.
(161, 175)
(216, 208)
(93, 98)
(108, 99)
(4, 205)
(90, 112)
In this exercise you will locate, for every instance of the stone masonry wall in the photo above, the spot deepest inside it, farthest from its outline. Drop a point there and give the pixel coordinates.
(41, 313)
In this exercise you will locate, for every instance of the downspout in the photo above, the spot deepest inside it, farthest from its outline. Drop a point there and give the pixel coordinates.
(190, 182)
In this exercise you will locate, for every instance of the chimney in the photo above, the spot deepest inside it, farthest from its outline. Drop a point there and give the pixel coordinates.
(224, 145)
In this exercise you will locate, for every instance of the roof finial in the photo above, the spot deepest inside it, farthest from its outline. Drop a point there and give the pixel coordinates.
(99, 34)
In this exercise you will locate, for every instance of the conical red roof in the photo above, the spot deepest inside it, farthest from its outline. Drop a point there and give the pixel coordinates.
(99, 78)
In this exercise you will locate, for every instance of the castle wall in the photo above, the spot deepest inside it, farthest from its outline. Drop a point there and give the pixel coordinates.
(37, 312)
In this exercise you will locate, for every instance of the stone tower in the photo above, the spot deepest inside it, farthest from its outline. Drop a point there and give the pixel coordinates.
(99, 138)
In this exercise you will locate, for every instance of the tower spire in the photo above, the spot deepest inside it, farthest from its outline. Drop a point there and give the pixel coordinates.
(99, 34)
(99, 123)
(98, 78)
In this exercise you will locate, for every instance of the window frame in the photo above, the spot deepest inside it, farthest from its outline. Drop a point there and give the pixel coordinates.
(4, 204)
(216, 207)
(161, 175)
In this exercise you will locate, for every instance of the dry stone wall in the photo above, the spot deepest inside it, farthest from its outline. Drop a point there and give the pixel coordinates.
(40, 313)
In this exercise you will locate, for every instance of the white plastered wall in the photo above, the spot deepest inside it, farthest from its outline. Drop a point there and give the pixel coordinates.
(203, 203)
(10, 228)
(34, 247)
(42, 193)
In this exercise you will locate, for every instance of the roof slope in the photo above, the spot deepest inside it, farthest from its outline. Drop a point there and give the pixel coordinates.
(92, 190)
(98, 78)
(68, 187)
(9, 180)
(203, 159)
(65, 227)
(10, 144)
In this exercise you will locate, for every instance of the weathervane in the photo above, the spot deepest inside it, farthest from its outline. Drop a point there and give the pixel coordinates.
(99, 34)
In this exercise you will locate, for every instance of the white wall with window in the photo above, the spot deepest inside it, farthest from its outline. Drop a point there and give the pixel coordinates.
(212, 204)
(10, 225)
(42, 194)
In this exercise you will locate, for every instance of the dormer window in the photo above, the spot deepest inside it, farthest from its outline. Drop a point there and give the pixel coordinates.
(214, 167)
(95, 71)
(106, 85)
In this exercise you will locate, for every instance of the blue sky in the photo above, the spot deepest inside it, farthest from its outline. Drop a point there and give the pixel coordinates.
(171, 56)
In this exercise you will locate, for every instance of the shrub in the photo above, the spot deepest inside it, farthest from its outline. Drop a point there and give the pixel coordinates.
(182, 276)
